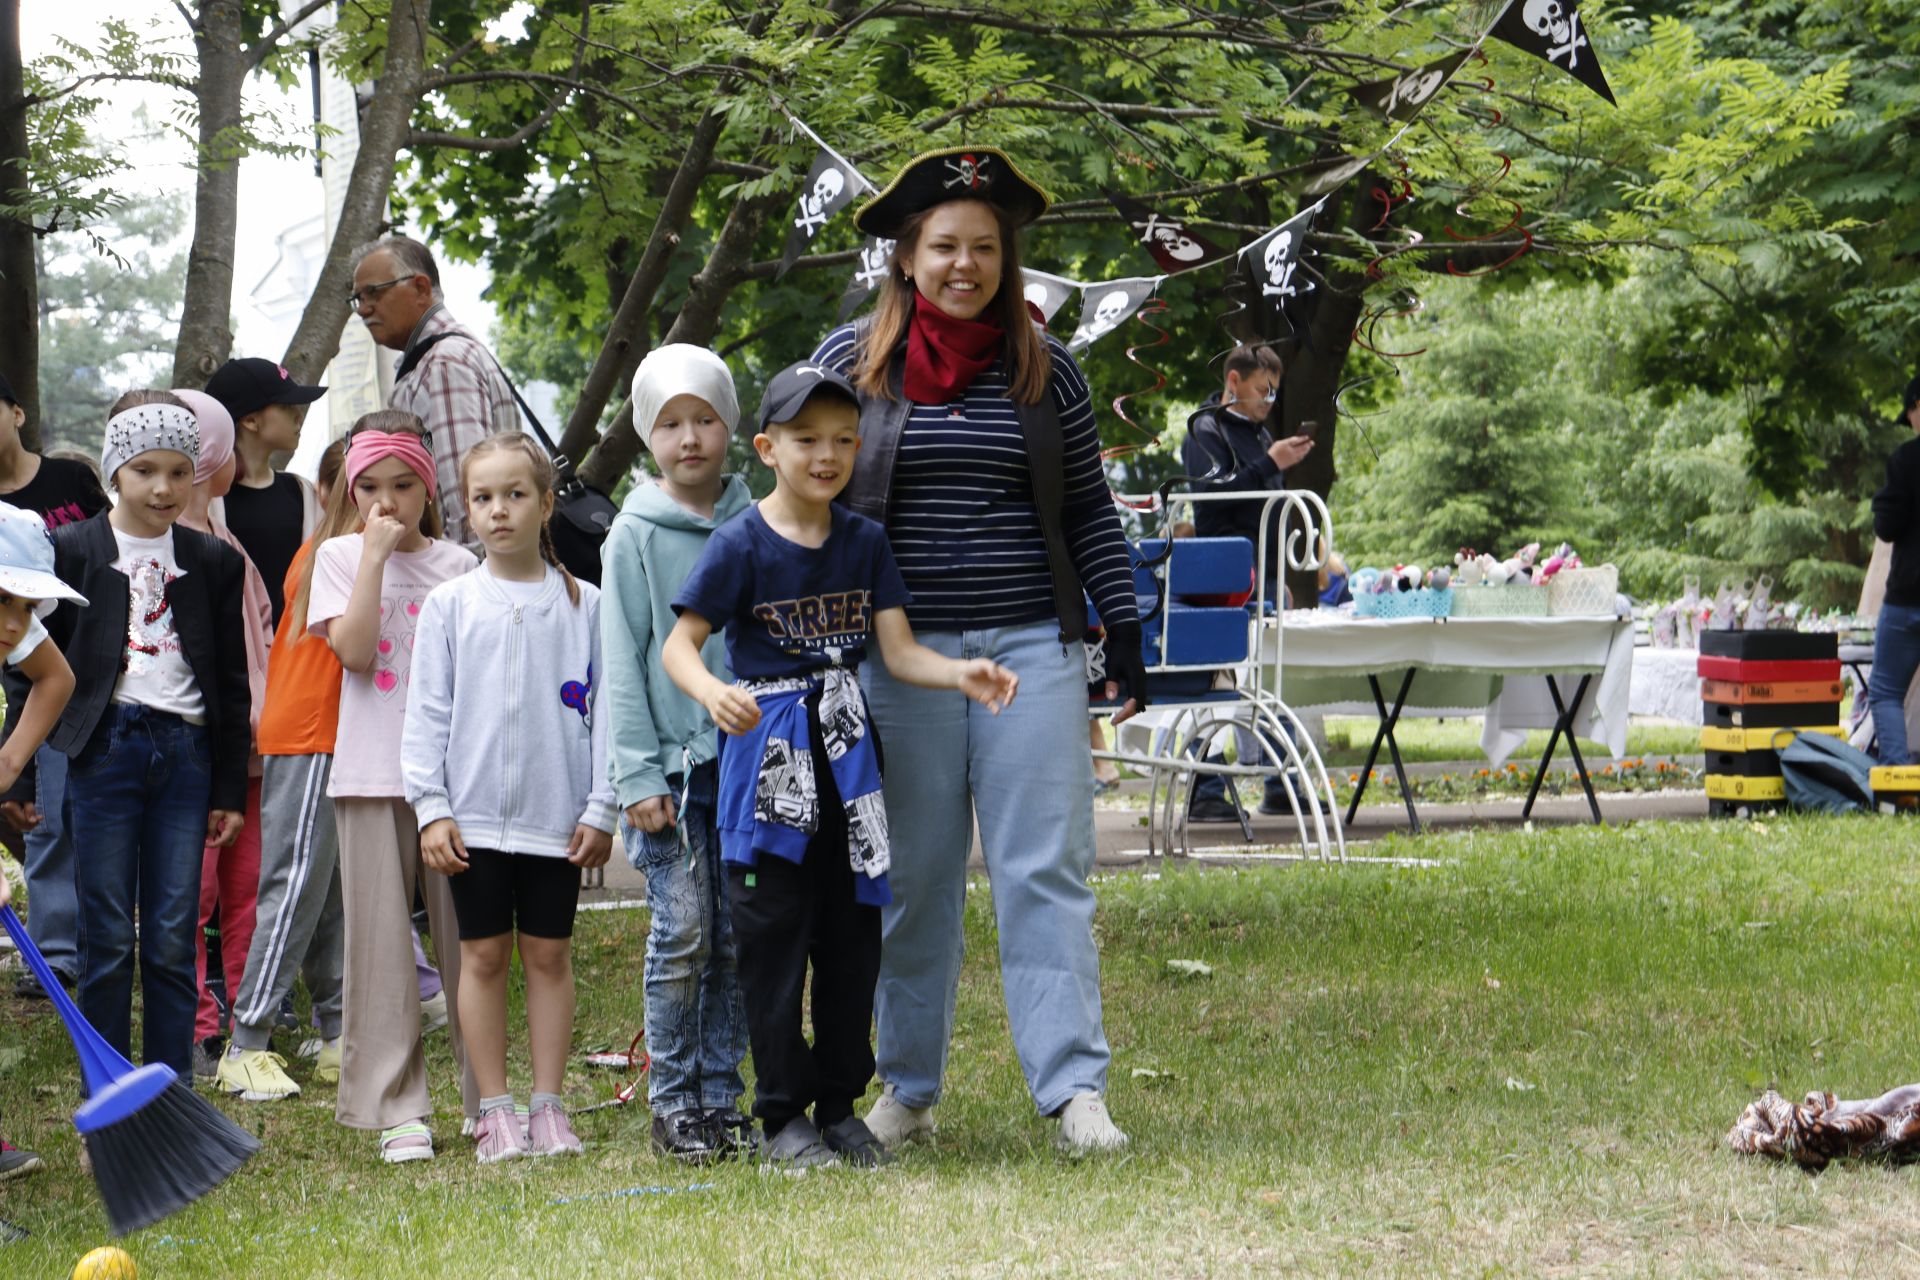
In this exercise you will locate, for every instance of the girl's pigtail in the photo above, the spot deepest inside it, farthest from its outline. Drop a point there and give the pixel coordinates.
(552, 557)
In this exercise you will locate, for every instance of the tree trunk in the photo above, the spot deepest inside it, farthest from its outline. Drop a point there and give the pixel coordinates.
(617, 356)
(697, 322)
(383, 131)
(19, 276)
(1314, 374)
(205, 341)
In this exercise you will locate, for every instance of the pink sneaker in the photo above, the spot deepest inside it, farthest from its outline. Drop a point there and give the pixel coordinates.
(549, 1134)
(498, 1135)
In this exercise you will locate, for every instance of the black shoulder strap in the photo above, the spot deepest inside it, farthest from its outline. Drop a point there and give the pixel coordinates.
(416, 352)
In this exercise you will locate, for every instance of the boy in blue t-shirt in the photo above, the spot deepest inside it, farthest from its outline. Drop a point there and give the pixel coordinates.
(802, 587)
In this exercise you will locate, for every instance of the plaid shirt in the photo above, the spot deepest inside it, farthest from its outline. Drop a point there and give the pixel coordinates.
(462, 396)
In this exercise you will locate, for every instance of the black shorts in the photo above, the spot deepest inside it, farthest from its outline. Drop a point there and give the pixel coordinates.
(499, 892)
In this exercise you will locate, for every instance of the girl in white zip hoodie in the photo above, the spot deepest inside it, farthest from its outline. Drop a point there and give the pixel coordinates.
(505, 761)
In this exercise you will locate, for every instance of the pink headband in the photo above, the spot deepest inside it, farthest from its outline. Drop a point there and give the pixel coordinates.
(364, 448)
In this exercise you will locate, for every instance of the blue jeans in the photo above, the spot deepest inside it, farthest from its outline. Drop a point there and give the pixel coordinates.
(696, 1022)
(53, 894)
(143, 784)
(1896, 656)
(1028, 777)
(1213, 786)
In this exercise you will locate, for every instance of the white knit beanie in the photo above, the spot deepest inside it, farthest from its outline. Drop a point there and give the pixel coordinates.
(681, 369)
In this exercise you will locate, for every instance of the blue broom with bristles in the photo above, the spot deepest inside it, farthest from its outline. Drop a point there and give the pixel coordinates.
(156, 1145)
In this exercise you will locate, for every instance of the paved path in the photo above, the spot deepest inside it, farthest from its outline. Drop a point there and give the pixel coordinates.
(1122, 840)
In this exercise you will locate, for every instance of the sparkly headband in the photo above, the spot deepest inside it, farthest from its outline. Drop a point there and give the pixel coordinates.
(145, 428)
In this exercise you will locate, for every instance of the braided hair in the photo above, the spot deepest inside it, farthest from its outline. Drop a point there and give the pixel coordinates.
(544, 480)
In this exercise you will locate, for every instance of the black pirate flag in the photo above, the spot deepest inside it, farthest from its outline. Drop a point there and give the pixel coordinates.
(1106, 307)
(1275, 289)
(1551, 31)
(1173, 246)
(1402, 97)
(1047, 294)
(876, 259)
(831, 186)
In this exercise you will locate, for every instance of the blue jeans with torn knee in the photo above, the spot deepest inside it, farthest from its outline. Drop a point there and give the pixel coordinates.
(696, 1023)
(1027, 776)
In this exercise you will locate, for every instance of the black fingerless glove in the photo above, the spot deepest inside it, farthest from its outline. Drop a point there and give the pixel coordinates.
(1124, 665)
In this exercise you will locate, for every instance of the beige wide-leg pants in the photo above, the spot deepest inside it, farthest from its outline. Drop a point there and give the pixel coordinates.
(383, 1071)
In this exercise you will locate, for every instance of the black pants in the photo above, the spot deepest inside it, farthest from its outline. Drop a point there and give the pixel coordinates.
(785, 916)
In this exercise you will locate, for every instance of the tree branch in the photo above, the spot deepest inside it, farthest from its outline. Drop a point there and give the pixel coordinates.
(569, 83)
(263, 48)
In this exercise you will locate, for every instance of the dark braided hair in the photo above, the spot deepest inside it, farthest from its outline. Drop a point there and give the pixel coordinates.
(543, 479)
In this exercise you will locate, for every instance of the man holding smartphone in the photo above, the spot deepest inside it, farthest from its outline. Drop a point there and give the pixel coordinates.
(1229, 450)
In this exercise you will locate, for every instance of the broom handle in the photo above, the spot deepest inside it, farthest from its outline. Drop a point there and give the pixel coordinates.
(100, 1063)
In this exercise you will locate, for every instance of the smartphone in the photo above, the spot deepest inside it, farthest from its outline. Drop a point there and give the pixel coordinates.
(1308, 429)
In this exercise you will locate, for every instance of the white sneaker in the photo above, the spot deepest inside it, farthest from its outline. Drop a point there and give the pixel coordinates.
(1086, 1127)
(433, 1013)
(895, 1123)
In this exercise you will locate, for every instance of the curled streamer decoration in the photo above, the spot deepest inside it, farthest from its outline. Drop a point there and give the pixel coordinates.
(1152, 306)
(1485, 187)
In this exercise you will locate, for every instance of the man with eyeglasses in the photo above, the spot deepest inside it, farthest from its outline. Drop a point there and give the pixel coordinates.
(1229, 450)
(447, 377)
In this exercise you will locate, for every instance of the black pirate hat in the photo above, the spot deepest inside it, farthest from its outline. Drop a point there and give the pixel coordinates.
(954, 173)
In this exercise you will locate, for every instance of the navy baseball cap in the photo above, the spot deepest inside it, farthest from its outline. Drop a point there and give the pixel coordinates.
(796, 384)
(251, 384)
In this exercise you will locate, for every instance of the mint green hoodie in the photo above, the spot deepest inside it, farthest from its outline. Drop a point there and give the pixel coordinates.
(649, 552)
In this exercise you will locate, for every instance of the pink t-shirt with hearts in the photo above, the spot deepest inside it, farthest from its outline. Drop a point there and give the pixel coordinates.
(373, 703)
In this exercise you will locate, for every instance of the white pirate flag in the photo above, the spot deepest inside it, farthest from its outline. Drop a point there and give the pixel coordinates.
(1551, 31)
(831, 186)
(1046, 293)
(1275, 284)
(1106, 307)
(1173, 246)
(1403, 96)
(876, 259)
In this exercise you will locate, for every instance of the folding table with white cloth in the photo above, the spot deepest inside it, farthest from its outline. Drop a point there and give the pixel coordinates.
(1511, 670)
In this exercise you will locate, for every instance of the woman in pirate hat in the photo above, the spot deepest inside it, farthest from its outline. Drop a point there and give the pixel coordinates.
(980, 454)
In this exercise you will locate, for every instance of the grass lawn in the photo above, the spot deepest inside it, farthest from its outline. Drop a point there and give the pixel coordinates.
(1520, 1062)
(1424, 740)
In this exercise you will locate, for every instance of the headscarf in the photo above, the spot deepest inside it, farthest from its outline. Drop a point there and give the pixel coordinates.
(681, 369)
(216, 433)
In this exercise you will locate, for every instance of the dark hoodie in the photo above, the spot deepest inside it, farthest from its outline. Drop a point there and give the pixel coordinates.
(1896, 519)
(1220, 440)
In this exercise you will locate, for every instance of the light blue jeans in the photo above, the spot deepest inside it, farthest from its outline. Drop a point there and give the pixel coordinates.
(1028, 777)
(52, 889)
(696, 1022)
(1896, 655)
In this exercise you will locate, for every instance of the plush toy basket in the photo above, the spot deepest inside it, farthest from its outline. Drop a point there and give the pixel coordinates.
(1423, 603)
(1505, 601)
(1583, 593)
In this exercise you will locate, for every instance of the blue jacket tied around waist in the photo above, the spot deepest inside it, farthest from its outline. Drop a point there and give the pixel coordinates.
(769, 798)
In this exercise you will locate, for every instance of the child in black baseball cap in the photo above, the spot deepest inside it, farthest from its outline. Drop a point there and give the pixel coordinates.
(270, 512)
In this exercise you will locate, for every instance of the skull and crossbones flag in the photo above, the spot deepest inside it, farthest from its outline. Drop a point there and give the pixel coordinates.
(1403, 96)
(1046, 293)
(1274, 285)
(1174, 247)
(832, 184)
(1106, 306)
(876, 259)
(1551, 31)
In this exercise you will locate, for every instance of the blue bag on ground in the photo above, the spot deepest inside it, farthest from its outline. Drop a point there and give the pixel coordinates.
(1826, 774)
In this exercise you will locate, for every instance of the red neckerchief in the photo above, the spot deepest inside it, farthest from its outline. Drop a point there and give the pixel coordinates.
(945, 355)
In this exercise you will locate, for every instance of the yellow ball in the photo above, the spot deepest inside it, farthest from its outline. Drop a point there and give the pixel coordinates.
(106, 1263)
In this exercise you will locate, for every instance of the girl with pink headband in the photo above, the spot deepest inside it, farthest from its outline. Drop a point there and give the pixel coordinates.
(363, 594)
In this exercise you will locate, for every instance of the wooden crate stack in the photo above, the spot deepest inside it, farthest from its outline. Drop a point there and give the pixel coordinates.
(1754, 685)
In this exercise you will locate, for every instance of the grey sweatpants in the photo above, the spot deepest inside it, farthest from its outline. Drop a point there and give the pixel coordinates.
(298, 919)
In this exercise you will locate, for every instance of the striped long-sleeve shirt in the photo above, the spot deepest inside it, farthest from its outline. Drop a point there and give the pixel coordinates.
(962, 521)
(462, 396)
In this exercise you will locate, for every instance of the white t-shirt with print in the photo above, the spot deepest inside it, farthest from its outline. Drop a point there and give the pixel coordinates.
(373, 703)
(156, 674)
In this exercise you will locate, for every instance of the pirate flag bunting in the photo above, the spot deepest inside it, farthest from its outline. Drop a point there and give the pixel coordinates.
(1274, 287)
(1551, 31)
(1106, 307)
(1047, 294)
(831, 186)
(1403, 96)
(1173, 246)
(876, 259)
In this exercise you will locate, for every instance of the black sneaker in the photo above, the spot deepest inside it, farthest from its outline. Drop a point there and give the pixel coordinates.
(285, 1019)
(686, 1136)
(1212, 809)
(1280, 805)
(206, 1060)
(856, 1144)
(27, 986)
(15, 1163)
(732, 1132)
